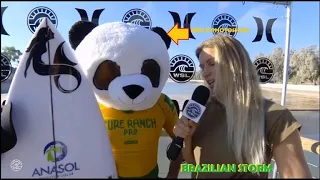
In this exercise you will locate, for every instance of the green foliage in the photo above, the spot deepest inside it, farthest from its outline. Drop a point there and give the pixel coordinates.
(197, 76)
(12, 53)
(304, 65)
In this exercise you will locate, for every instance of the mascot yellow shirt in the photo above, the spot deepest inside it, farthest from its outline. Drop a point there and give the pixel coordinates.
(134, 136)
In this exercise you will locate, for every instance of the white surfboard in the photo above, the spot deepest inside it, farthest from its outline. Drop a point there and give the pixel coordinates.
(59, 127)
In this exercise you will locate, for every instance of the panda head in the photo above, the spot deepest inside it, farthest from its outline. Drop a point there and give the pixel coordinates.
(127, 64)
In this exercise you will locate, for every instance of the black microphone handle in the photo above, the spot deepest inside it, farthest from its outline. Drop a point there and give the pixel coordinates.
(200, 95)
(175, 148)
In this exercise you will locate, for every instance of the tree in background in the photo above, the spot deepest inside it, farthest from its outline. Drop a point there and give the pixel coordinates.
(197, 76)
(304, 65)
(12, 53)
(277, 58)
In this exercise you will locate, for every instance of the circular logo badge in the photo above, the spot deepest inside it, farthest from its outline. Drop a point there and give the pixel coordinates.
(36, 15)
(193, 110)
(16, 165)
(182, 68)
(139, 17)
(6, 68)
(264, 68)
(55, 149)
(222, 22)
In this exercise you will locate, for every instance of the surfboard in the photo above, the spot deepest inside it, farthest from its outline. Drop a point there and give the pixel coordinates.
(59, 127)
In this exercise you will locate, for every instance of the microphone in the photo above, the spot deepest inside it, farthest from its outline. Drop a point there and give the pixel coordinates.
(192, 110)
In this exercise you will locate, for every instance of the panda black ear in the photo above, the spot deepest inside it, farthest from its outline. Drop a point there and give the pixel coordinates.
(79, 31)
(163, 34)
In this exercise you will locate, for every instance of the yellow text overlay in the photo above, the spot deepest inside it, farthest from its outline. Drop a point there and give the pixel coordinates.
(219, 168)
(219, 30)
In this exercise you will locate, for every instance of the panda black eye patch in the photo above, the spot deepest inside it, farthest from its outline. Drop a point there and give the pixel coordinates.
(151, 69)
(105, 73)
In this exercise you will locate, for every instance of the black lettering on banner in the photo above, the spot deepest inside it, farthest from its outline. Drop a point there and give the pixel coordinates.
(61, 64)
(260, 30)
(3, 31)
(95, 16)
(182, 68)
(186, 22)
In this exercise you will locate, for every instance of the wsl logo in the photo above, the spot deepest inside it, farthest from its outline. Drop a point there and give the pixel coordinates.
(55, 152)
(6, 68)
(193, 110)
(36, 15)
(223, 21)
(264, 68)
(138, 17)
(182, 68)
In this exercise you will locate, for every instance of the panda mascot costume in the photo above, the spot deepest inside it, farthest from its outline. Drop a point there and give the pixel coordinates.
(128, 66)
(8, 134)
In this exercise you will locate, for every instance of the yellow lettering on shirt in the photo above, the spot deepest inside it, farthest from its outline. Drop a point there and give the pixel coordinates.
(134, 136)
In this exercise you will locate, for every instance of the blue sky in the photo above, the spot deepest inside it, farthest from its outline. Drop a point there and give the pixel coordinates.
(305, 21)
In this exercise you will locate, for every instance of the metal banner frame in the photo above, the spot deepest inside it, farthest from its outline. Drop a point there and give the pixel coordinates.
(288, 6)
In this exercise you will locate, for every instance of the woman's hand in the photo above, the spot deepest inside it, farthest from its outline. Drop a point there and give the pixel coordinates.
(184, 128)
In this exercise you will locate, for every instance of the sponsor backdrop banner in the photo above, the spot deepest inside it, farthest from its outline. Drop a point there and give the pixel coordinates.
(259, 26)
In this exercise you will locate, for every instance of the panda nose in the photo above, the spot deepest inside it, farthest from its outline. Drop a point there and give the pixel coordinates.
(133, 91)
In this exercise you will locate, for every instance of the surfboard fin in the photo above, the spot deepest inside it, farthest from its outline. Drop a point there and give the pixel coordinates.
(8, 134)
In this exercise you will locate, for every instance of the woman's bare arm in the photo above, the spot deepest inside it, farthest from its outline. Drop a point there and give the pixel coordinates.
(188, 152)
(290, 158)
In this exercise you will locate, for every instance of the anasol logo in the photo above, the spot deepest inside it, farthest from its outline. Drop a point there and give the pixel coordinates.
(193, 110)
(59, 148)
(55, 152)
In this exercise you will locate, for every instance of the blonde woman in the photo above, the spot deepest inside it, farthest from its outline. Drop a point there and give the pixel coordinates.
(239, 126)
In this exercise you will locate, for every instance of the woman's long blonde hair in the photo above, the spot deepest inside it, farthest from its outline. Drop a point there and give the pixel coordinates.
(237, 88)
